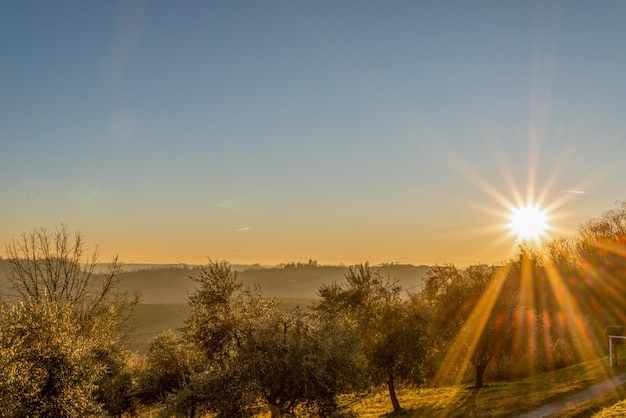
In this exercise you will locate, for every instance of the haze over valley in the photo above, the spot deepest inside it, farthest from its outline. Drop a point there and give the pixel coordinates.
(159, 284)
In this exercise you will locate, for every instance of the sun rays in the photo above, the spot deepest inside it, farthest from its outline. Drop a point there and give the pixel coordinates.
(550, 321)
(458, 356)
(529, 222)
(547, 325)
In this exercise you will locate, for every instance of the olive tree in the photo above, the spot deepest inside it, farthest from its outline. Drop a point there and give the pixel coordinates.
(467, 315)
(395, 343)
(170, 374)
(602, 243)
(255, 351)
(62, 329)
(48, 362)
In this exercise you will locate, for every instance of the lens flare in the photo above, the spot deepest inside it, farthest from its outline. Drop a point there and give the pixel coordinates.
(528, 222)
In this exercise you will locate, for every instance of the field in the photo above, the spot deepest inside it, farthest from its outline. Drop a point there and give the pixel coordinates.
(151, 319)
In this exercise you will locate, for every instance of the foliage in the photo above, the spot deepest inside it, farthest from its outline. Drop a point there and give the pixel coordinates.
(602, 246)
(444, 291)
(214, 307)
(468, 316)
(50, 360)
(168, 367)
(62, 348)
(169, 374)
(255, 351)
(394, 339)
(116, 388)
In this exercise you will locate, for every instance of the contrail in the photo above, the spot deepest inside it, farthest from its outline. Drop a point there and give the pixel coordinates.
(245, 228)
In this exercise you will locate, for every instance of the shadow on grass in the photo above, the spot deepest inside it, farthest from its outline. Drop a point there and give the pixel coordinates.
(504, 399)
(465, 403)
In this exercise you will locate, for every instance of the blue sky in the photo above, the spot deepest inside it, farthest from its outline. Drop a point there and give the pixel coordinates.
(272, 131)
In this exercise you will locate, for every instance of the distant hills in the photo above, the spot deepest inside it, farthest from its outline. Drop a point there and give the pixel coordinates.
(172, 283)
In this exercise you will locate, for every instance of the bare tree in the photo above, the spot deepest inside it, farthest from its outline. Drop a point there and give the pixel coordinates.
(57, 266)
(62, 341)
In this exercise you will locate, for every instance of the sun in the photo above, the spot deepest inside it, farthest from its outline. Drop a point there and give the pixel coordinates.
(528, 222)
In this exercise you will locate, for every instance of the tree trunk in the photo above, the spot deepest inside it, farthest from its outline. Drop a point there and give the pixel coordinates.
(480, 371)
(274, 410)
(392, 394)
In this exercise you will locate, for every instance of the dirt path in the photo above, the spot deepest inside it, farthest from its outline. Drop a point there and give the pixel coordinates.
(576, 398)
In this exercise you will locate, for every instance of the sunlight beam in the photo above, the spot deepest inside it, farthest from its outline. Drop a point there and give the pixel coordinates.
(457, 358)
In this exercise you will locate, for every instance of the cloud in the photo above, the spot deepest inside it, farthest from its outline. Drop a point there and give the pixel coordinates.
(225, 204)
(245, 228)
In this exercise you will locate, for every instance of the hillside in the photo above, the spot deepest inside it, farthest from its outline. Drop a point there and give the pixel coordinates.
(171, 283)
(4, 271)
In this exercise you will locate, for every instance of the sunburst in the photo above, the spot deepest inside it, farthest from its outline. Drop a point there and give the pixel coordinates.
(529, 222)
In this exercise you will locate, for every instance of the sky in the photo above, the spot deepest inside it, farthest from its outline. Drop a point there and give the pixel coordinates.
(277, 131)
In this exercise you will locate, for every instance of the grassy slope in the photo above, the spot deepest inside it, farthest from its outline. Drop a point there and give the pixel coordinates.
(617, 410)
(501, 399)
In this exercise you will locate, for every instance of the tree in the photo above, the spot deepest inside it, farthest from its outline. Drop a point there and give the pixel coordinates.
(397, 346)
(467, 315)
(171, 371)
(602, 245)
(288, 356)
(487, 345)
(47, 362)
(254, 351)
(61, 330)
(56, 265)
(394, 340)
(444, 291)
(116, 387)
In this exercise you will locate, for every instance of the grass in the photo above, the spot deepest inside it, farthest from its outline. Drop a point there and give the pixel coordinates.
(287, 304)
(607, 405)
(154, 318)
(500, 399)
(617, 410)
